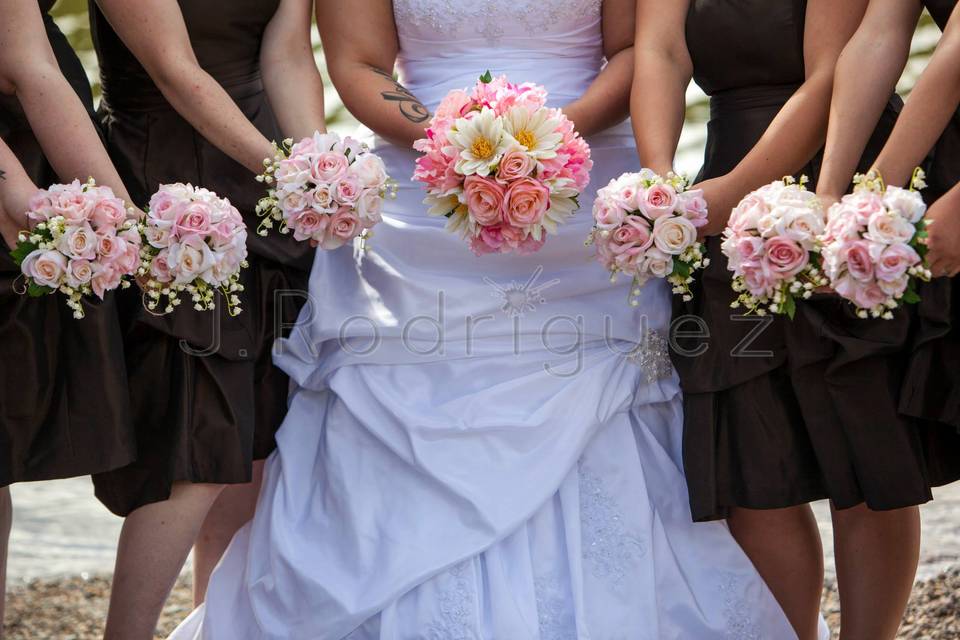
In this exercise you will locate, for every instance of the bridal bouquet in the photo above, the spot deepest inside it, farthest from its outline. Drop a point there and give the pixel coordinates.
(194, 242)
(501, 167)
(82, 242)
(873, 250)
(773, 247)
(325, 189)
(645, 226)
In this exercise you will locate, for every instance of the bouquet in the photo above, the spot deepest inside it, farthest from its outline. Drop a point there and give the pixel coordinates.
(646, 227)
(503, 168)
(325, 189)
(83, 242)
(773, 248)
(193, 242)
(873, 245)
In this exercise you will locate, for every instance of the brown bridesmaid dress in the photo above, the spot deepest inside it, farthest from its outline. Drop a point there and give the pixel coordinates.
(806, 409)
(63, 387)
(932, 381)
(206, 397)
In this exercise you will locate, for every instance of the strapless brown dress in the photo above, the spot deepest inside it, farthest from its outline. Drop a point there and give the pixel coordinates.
(206, 397)
(788, 412)
(932, 382)
(63, 387)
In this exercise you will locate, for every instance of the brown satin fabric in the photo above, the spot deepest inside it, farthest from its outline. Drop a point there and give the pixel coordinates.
(817, 417)
(63, 387)
(201, 419)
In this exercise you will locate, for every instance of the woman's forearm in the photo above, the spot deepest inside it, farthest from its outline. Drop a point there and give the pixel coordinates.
(862, 89)
(658, 107)
(929, 109)
(380, 102)
(16, 189)
(606, 101)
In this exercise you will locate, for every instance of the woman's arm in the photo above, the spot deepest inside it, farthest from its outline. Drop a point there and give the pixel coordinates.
(931, 105)
(943, 240)
(157, 35)
(607, 100)
(800, 128)
(16, 189)
(866, 76)
(361, 61)
(290, 72)
(57, 116)
(662, 72)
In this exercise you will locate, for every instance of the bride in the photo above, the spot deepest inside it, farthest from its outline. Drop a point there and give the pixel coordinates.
(480, 447)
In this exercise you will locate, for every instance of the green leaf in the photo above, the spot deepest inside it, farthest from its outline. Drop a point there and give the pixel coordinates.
(22, 250)
(486, 78)
(35, 290)
(910, 296)
(681, 268)
(790, 306)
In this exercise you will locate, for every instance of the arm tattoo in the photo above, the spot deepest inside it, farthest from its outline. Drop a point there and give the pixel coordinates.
(3, 174)
(411, 108)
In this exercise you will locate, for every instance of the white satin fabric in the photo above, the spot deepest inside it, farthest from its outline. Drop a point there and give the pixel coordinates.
(518, 478)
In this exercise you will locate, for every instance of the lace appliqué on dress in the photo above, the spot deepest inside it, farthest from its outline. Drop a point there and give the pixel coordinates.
(487, 18)
(740, 626)
(652, 355)
(610, 548)
(554, 610)
(456, 601)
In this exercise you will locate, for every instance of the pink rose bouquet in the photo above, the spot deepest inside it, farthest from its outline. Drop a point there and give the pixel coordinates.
(873, 246)
(501, 167)
(645, 226)
(773, 248)
(194, 242)
(324, 189)
(83, 242)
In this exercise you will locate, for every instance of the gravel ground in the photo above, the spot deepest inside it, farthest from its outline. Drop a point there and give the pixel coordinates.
(74, 609)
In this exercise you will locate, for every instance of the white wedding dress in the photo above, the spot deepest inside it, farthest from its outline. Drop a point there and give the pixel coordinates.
(482, 448)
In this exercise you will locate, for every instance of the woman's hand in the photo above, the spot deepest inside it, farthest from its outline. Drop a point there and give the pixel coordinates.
(16, 189)
(943, 239)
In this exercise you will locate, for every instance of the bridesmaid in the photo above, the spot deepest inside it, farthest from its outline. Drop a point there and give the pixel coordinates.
(194, 92)
(931, 381)
(63, 395)
(779, 413)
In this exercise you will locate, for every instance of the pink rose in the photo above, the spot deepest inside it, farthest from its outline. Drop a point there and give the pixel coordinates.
(515, 165)
(889, 228)
(109, 246)
(894, 288)
(157, 237)
(608, 213)
(657, 263)
(865, 295)
(894, 262)
(864, 205)
(488, 240)
(694, 207)
(128, 261)
(370, 170)
(105, 278)
(322, 199)
(293, 173)
(45, 267)
(292, 202)
(659, 200)
(786, 257)
(748, 213)
(160, 268)
(749, 249)
(759, 280)
(344, 227)
(193, 219)
(74, 206)
(190, 259)
(40, 206)
(162, 206)
(348, 189)
(309, 225)
(370, 207)
(525, 203)
(859, 263)
(484, 199)
(673, 234)
(79, 272)
(108, 212)
(329, 166)
(79, 243)
(628, 196)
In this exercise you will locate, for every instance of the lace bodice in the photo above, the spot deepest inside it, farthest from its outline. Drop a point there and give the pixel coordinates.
(447, 44)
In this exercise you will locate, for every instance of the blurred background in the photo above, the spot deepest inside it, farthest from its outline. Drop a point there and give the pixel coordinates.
(63, 542)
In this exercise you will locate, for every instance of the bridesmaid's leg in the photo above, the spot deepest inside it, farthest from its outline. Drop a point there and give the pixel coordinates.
(784, 545)
(6, 521)
(154, 544)
(877, 553)
(233, 509)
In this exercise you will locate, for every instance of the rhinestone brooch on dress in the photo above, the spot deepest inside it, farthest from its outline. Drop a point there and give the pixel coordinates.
(652, 355)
